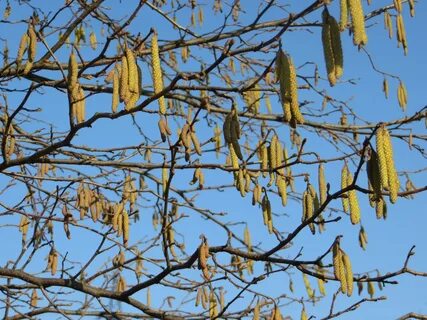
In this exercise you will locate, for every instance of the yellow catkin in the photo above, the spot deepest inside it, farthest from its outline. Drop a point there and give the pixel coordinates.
(308, 289)
(81, 105)
(256, 312)
(353, 201)
(382, 162)
(336, 259)
(213, 306)
(272, 154)
(332, 48)
(23, 227)
(133, 71)
(53, 261)
(226, 128)
(247, 238)
(34, 298)
(116, 95)
(267, 215)
(402, 95)
(23, 45)
(374, 179)
(165, 178)
(308, 207)
(343, 14)
(92, 40)
(393, 180)
(320, 281)
(411, 4)
(157, 73)
(32, 48)
(344, 184)
(385, 87)
(72, 71)
(196, 143)
(401, 33)
(200, 15)
(342, 273)
(288, 88)
(235, 133)
(358, 22)
(348, 273)
(282, 73)
(322, 184)
(303, 314)
(256, 197)
(371, 289)
(398, 5)
(121, 284)
(124, 80)
(363, 238)
(388, 24)
(125, 222)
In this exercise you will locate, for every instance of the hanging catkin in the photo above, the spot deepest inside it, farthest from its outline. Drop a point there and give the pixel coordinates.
(157, 73)
(332, 48)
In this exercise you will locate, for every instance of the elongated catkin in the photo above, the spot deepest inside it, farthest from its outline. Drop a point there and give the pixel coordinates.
(157, 73)
(332, 48)
(358, 22)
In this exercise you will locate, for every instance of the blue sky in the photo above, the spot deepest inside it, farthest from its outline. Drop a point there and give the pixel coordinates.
(389, 241)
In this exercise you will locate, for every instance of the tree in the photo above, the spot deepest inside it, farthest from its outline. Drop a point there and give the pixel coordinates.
(157, 165)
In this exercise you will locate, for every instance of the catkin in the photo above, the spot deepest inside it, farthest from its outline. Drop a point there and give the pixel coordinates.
(358, 22)
(133, 71)
(23, 227)
(256, 194)
(353, 201)
(235, 133)
(401, 33)
(256, 312)
(157, 73)
(344, 184)
(393, 180)
(348, 273)
(402, 95)
(72, 71)
(286, 74)
(217, 140)
(116, 96)
(388, 24)
(332, 48)
(92, 40)
(303, 315)
(80, 105)
(320, 281)
(272, 153)
(124, 80)
(389, 178)
(385, 87)
(382, 162)
(363, 238)
(23, 45)
(322, 184)
(336, 259)
(32, 48)
(125, 222)
(34, 299)
(411, 4)
(308, 207)
(398, 5)
(165, 178)
(343, 14)
(371, 289)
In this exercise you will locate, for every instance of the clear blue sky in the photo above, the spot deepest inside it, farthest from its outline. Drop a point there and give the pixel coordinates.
(389, 241)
